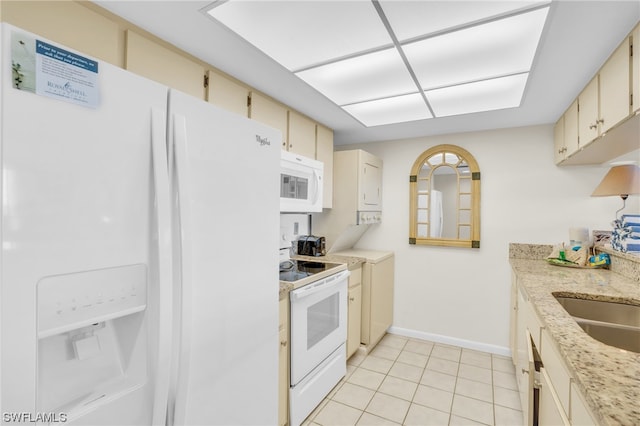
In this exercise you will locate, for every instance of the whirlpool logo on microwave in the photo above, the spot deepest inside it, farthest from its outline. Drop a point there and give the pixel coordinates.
(262, 141)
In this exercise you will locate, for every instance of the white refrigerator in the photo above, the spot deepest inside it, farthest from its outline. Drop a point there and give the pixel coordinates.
(139, 229)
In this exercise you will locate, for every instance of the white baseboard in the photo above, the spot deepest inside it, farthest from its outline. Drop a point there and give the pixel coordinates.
(483, 347)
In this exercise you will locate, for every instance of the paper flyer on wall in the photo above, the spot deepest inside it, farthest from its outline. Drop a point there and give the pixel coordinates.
(51, 71)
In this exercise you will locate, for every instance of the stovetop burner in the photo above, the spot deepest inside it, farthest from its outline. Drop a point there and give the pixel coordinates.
(294, 270)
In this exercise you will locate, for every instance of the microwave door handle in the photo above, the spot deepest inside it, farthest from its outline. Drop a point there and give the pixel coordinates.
(316, 182)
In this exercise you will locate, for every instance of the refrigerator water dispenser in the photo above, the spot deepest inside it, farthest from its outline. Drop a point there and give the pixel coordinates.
(92, 345)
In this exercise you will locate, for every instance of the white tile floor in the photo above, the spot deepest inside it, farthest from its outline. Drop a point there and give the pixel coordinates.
(416, 382)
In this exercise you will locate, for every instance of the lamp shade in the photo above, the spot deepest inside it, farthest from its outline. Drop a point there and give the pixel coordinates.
(620, 180)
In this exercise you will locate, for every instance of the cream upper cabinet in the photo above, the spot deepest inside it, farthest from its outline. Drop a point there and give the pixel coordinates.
(73, 24)
(606, 99)
(156, 62)
(571, 140)
(354, 311)
(302, 135)
(606, 125)
(269, 112)
(635, 80)
(559, 148)
(227, 94)
(324, 153)
(615, 92)
(588, 119)
(565, 134)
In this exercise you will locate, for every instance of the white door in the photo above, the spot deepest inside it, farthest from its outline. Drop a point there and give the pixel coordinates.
(227, 221)
(79, 213)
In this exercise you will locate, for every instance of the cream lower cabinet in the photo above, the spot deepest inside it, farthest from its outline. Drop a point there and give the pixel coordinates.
(541, 371)
(635, 69)
(524, 357)
(283, 369)
(354, 311)
(580, 414)
(377, 300)
(513, 320)
(549, 410)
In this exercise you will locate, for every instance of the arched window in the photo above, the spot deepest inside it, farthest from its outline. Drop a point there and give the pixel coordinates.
(445, 198)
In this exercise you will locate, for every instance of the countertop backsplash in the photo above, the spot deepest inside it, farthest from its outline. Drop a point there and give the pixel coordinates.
(625, 264)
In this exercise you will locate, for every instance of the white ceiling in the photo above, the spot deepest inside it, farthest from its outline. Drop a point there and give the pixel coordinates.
(396, 68)
(577, 39)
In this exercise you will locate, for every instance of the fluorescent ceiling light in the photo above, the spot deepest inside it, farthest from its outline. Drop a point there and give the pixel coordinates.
(298, 34)
(375, 59)
(398, 109)
(486, 95)
(502, 47)
(363, 78)
(421, 18)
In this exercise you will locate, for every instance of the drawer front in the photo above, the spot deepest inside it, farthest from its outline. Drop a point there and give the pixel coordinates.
(532, 323)
(557, 370)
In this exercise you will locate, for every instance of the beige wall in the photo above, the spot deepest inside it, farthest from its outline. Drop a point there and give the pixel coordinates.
(462, 294)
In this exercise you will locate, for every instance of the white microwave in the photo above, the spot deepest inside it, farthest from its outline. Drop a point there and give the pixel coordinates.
(301, 183)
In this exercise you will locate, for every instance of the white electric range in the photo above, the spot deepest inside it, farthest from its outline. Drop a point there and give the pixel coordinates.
(318, 318)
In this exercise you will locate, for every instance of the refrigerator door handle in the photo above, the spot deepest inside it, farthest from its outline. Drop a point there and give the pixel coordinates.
(182, 271)
(164, 268)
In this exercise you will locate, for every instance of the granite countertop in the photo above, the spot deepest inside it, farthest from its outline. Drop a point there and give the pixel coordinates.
(608, 377)
(352, 262)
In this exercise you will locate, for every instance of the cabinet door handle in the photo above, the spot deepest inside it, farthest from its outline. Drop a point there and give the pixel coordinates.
(593, 126)
(600, 121)
(283, 343)
(525, 371)
(352, 299)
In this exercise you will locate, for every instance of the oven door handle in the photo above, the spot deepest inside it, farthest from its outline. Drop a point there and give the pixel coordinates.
(322, 285)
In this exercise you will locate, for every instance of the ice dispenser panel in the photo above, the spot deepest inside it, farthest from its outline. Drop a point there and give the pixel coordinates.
(92, 344)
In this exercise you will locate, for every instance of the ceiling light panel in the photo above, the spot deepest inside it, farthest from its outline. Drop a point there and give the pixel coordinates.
(299, 34)
(498, 48)
(487, 95)
(398, 109)
(411, 19)
(362, 78)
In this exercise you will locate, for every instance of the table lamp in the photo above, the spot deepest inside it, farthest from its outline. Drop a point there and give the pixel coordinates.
(622, 180)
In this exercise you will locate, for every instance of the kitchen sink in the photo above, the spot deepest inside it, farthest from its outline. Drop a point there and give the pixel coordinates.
(612, 323)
